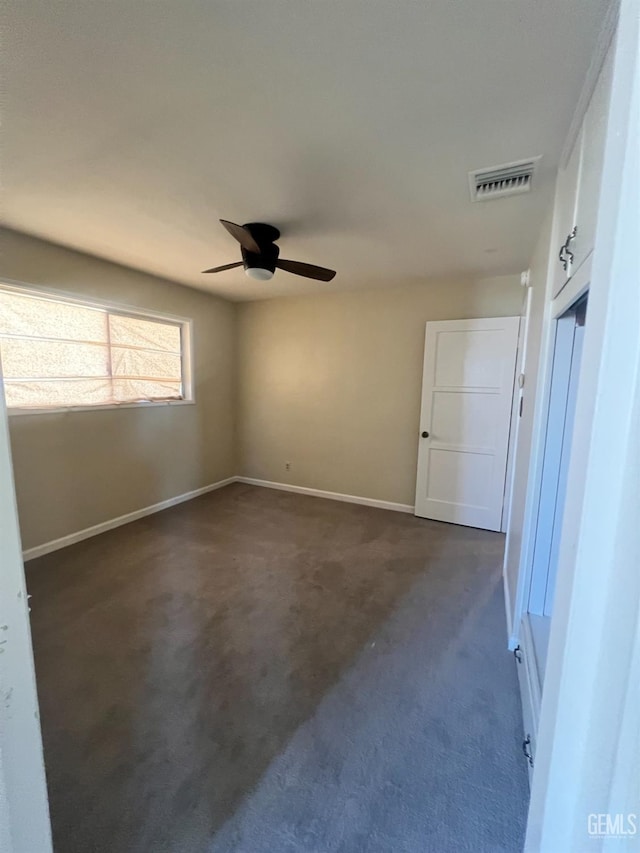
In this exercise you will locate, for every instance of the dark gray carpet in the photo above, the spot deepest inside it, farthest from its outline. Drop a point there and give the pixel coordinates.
(262, 672)
(417, 748)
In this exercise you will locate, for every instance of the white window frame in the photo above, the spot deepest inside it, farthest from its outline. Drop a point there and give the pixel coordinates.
(123, 310)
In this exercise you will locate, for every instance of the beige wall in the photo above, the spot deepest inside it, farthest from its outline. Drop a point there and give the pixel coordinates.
(332, 383)
(77, 469)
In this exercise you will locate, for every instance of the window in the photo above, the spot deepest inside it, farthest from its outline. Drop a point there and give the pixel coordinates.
(60, 353)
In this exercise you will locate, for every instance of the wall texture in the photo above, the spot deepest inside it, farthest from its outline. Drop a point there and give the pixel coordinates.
(77, 469)
(332, 383)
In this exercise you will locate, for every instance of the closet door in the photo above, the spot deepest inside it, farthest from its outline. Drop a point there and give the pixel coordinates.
(572, 394)
(595, 125)
(559, 433)
(566, 214)
(578, 186)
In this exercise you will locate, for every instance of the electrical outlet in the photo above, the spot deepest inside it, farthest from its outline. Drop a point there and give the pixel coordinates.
(287, 466)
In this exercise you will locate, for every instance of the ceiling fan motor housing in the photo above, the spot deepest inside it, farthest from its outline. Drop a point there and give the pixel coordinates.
(266, 260)
(261, 256)
(265, 236)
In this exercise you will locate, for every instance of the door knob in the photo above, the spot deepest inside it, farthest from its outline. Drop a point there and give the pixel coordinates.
(425, 434)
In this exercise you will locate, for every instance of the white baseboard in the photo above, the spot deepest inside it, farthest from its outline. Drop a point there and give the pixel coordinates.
(71, 538)
(333, 496)
(96, 529)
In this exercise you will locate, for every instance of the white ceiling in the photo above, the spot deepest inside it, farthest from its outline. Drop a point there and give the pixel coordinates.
(130, 128)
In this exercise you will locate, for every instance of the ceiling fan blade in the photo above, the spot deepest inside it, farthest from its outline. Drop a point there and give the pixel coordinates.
(242, 235)
(225, 267)
(307, 270)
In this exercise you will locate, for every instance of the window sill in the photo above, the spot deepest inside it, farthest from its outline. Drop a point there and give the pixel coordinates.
(65, 409)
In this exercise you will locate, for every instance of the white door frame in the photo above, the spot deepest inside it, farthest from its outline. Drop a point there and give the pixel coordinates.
(518, 399)
(574, 290)
(552, 444)
(588, 750)
(24, 808)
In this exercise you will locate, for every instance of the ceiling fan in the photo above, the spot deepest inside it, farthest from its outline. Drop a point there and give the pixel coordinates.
(260, 255)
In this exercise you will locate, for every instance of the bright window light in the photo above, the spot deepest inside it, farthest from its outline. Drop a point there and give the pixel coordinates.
(66, 354)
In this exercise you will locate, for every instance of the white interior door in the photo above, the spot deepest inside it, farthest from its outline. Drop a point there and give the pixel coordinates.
(467, 391)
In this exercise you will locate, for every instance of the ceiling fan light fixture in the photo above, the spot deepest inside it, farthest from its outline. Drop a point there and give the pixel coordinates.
(261, 256)
(259, 273)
